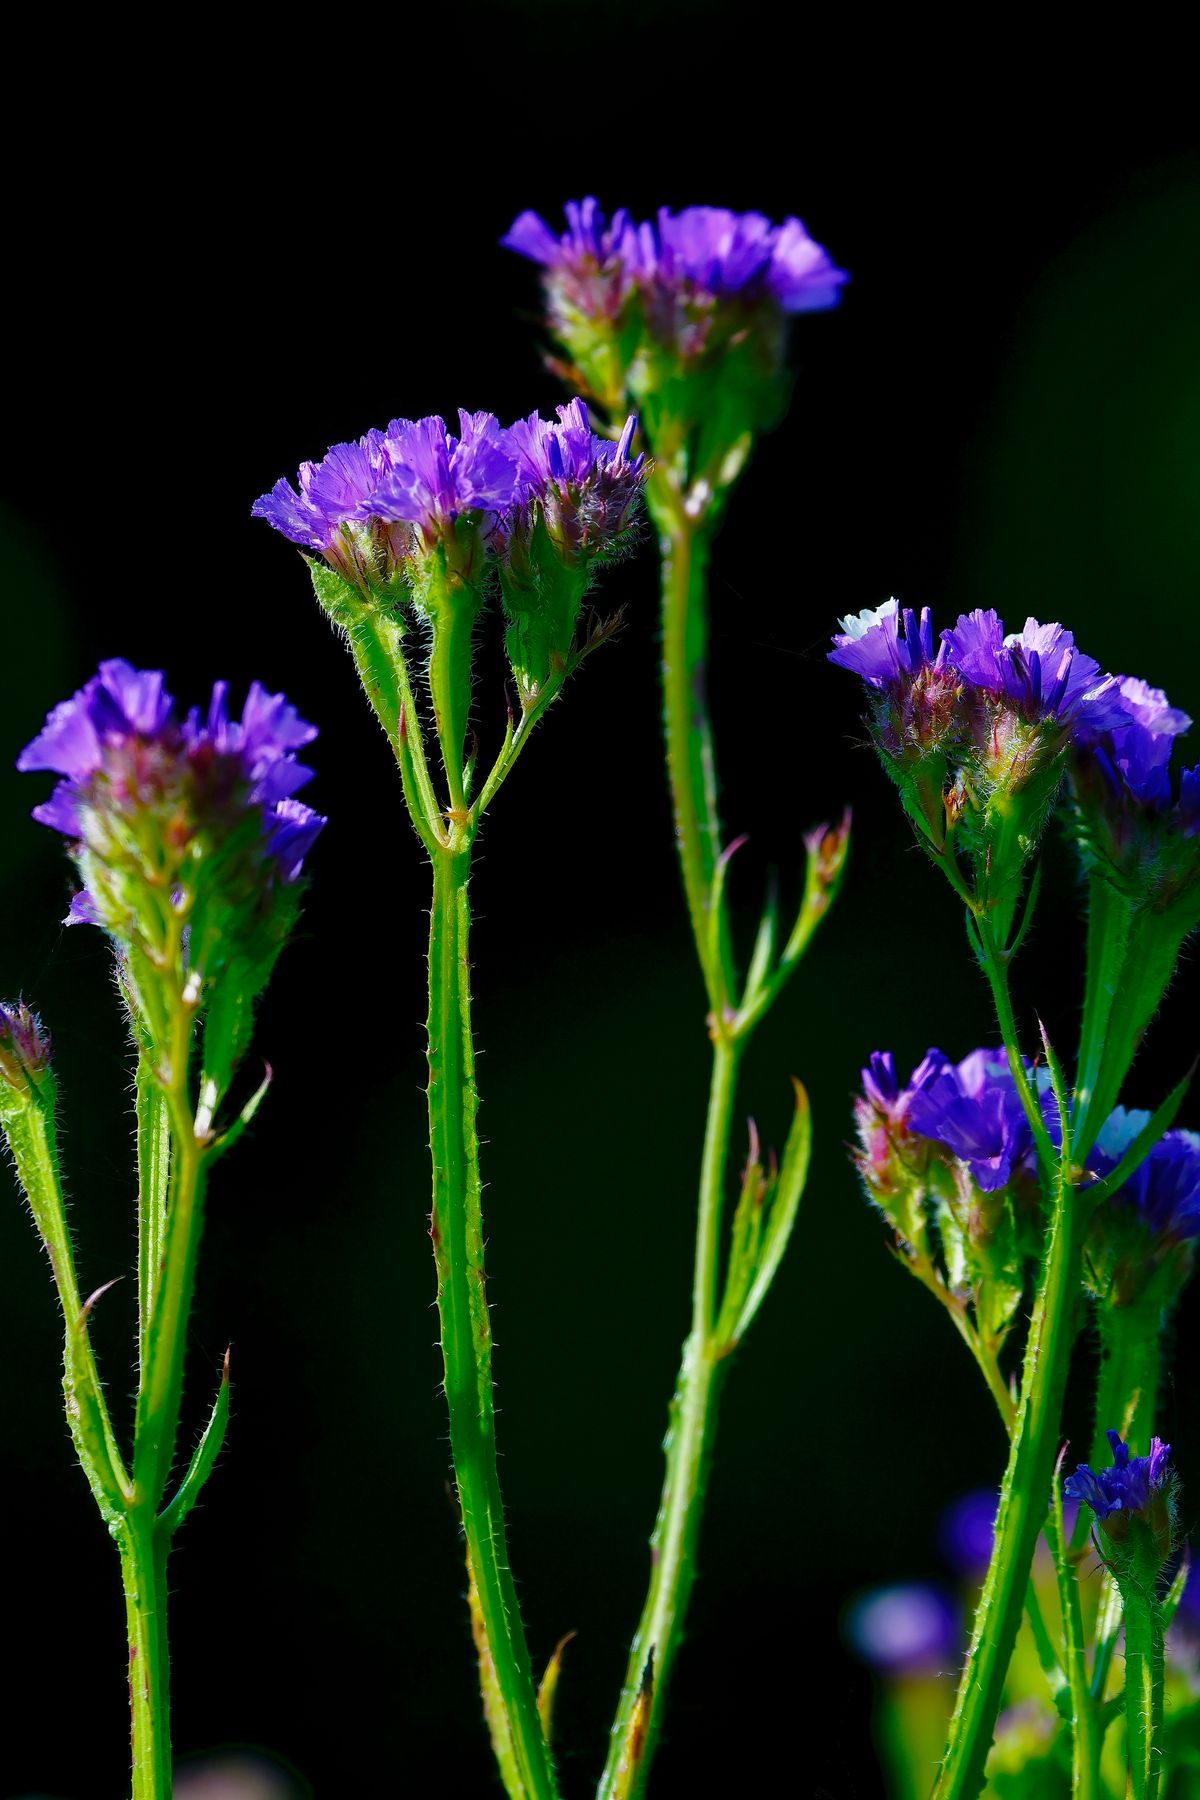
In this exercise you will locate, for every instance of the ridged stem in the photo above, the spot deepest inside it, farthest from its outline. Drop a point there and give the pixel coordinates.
(457, 1231)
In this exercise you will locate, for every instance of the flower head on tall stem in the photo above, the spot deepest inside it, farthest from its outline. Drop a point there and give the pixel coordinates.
(1141, 1487)
(24, 1045)
(172, 819)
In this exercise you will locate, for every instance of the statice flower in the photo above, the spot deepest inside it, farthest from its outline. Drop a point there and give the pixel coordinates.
(967, 1529)
(1038, 671)
(1134, 1485)
(1138, 822)
(711, 251)
(370, 507)
(1142, 1238)
(591, 265)
(194, 818)
(974, 1110)
(584, 487)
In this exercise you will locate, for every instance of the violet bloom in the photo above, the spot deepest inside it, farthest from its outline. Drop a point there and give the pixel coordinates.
(1037, 670)
(1164, 1190)
(118, 746)
(904, 1629)
(712, 251)
(431, 477)
(887, 646)
(967, 1530)
(1123, 778)
(1130, 1486)
(585, 486)
(590, 251)
(973, 1108)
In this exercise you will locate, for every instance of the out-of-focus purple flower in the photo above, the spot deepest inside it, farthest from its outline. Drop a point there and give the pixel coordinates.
(119, 747)
(966, 1531)
(584, 486)
(904, 1629)
(1164, 1189)
(1038, 670)
(1131, 1483)
(710, 250)
(24, 1043)
(589, 244)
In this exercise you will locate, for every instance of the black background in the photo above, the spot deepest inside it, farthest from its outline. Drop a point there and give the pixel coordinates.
(223, 261)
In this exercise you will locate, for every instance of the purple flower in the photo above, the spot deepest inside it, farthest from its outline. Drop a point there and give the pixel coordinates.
(331, 492)
(904, 1628)
(710, 250)
(1164, 1190)
(887, 647)
(587, 246)
(121, 751)
(966, 1531)
(1122, 778)
(973, 1108)
(584, 486)
(430, 477)
(1038, 670)
(1129, 1486)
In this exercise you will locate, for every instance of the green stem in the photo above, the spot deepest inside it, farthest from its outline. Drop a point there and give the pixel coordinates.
(457, 1233)
(689, 1445)
(1087, 1734)
(143, 1575)
(154, 1166)
(1143, 1688)
(1023, 1501)
(995, 964)
(691, 760)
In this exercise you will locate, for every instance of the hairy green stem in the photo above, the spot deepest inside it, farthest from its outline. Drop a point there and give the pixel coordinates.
(1087, 1734)
(143, 1575)
(1143, 1688)
(457, 1231)
(689, 1446)
(154, 1166)
(691, 759)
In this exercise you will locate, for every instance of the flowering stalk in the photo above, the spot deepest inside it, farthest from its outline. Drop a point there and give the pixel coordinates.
(189, 843)
(415, 521)
(685, 319)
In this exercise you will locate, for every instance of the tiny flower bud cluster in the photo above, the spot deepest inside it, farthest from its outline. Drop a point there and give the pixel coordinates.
(1141, 1487)
(24, 1045)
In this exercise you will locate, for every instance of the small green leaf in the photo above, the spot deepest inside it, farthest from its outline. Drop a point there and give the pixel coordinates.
(203, 1458)
(785, 1204)
(230, 1137)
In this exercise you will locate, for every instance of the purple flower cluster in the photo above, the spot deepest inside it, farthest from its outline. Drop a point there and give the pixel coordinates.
(1163, 1193)
(585, 487)
(970, 1108)
(369, 506)
(1123, 777)
(1038, 673)
(701, 252)
(1129, 1486)
(117, 741)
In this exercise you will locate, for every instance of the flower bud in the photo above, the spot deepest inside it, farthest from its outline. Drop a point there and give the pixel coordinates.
(24, 1046)
(1134, 1503)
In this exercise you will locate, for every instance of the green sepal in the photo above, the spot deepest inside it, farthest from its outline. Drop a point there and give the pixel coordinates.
(701, 415)
(203, 1457)
(763, 1225)
(229, 1014)
(1002, 836)
(543, 598)
(450, 600)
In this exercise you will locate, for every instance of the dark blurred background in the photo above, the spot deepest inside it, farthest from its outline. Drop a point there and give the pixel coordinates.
(221, 264)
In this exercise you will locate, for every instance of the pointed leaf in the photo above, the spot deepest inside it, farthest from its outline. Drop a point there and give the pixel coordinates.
(203, 1458)
(785, 1204)
(1159, 1122)
(548, 1687)
(230, 1137)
